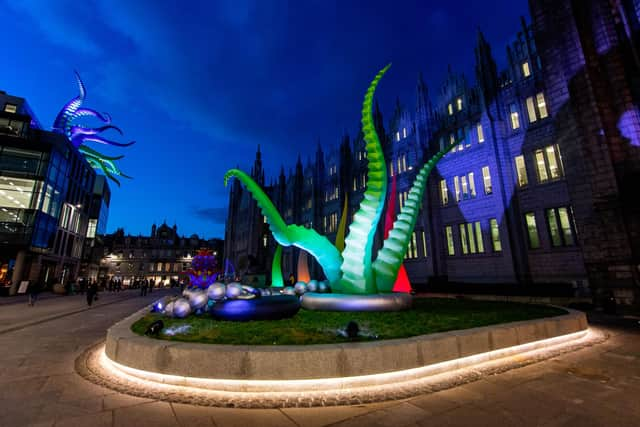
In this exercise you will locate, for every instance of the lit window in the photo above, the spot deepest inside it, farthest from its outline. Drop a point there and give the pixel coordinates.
(515, 118)
(413, 246)
(486, 179)
(399, 164)
(10, 108)
(397, 136)
(560, 228)
(521, 170)
(450, 109)
(404, 163)
(472, 185)
(91, 228)
(540, 166)
(542, 105)
(463, 239)
(532, 230)
(549, 163)
(495, 235)
(554, 230)
(565, 225)
(526, 72)
(451, 250)
(452, 139)
(479, 237)
(404, 132)
(391, 171)
(472, 240)
(444, 192)
(264, 219)
(531, 109)
(459, 103)
(480, 133)
(424, 244)
(456, 187)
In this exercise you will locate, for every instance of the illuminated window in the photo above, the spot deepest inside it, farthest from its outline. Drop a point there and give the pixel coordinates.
(472, 185)
(424, 244)
(448, 231)
(486, 179)
(412, 248)
(459, 104)
(450, 109)
(452, 139)
(355, 184)
(456, 187)
(264, 219)
(542, 105)
(479, 237)
(532, 230)
(515, 118)
(526, 72)
(495, 235)
(391, 171)
(560, 228)
(404, 163)
(465, 187)
(463, 239)
(399, 164)
(404, 132)
(531, 109)
(264, 241)
(521, 171)
(471, 236)
(444, 192)
(549, 163)
(10, 108)
(91, 228)
(480, 133)
(397, 136)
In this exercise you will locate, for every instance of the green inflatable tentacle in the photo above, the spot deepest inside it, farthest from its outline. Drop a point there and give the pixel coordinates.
(293, 235)
(276, 268)
(392, 253)
(357, 274)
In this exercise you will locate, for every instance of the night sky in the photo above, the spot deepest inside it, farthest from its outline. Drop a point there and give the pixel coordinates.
(198, 85)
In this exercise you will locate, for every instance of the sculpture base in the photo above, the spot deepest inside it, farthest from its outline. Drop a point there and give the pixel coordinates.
(262, 308)
(349, 302)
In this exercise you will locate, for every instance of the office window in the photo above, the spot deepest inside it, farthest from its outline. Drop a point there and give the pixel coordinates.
(486, 179)
(560, 228)
(465, 187)
(495, 235)
(549, 163)
(526, 71)
(412, 250)
(391, 168)
(397, 136)
(532, 230)
(479, 241)
(91, 229)
(10, 108)
(264, 241)
(456, 187)
(472, 185)
(444, 192)
(452, 139)
(515, 118)
(471, 236)
(459, 104)
(450, 109)
(448, 231)
(542, 106)
(404, 132)
(463, 239)
(424, 244)
(531, 109)
(521, 171)
(480, 133)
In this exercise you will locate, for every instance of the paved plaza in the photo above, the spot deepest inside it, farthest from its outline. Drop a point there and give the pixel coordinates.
(595, 386)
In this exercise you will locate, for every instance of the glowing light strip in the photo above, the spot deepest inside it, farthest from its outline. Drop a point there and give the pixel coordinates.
(378, 382)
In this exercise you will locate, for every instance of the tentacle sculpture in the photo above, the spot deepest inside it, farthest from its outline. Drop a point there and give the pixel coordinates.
(81, 135)
(395, 246)
(357, 274)
(276, 268)
(293, 235)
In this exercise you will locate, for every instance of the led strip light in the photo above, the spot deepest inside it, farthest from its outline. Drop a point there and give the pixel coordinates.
(357, 389)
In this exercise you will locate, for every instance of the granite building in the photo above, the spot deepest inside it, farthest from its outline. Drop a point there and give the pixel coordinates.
(539, 192)
(161, 256)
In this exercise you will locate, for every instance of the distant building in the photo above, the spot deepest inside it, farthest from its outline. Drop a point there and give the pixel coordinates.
(542, 190)
(46, 191)
(162, 256)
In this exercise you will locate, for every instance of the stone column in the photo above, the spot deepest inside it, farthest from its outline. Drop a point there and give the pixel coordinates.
(17, 271)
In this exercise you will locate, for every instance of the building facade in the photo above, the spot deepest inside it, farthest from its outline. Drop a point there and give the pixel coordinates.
(538, 193)
(163, 256)
(46, 193)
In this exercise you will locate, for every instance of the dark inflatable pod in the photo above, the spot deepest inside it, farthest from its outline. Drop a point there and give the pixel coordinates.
(264, 308)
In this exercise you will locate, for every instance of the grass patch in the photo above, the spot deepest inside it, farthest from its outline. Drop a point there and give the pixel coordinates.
(428, 315)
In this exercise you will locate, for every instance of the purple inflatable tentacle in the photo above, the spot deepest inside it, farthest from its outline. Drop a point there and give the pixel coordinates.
(81, 112)
(101, 140)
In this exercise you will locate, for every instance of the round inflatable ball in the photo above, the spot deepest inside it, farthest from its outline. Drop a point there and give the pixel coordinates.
(300, 288)
(265, 292)
(181, 308)
(323, 287)
(216, 291)
(198, 299)
(288, 290)
(312, 286)
(168, 309)
(234, 290)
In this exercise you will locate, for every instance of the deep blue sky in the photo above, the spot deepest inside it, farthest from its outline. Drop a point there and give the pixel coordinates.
(199, 84)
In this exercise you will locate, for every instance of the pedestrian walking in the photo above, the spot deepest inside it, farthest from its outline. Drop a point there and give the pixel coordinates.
(92, 293)
(34, 291)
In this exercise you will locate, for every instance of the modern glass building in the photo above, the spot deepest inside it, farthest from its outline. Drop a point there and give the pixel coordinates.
(46, 190)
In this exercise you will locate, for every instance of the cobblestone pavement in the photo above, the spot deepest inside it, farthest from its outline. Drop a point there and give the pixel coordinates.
(595, 386)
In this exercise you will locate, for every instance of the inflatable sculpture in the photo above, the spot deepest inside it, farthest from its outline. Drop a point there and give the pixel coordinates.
(351, 271)
(65, 123)
(203, 271)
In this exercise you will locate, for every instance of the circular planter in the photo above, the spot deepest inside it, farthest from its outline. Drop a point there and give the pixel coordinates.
(348, 302)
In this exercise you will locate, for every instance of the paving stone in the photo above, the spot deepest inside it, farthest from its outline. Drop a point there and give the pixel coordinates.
(223, 417)
(158, 414)
(322, 416)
